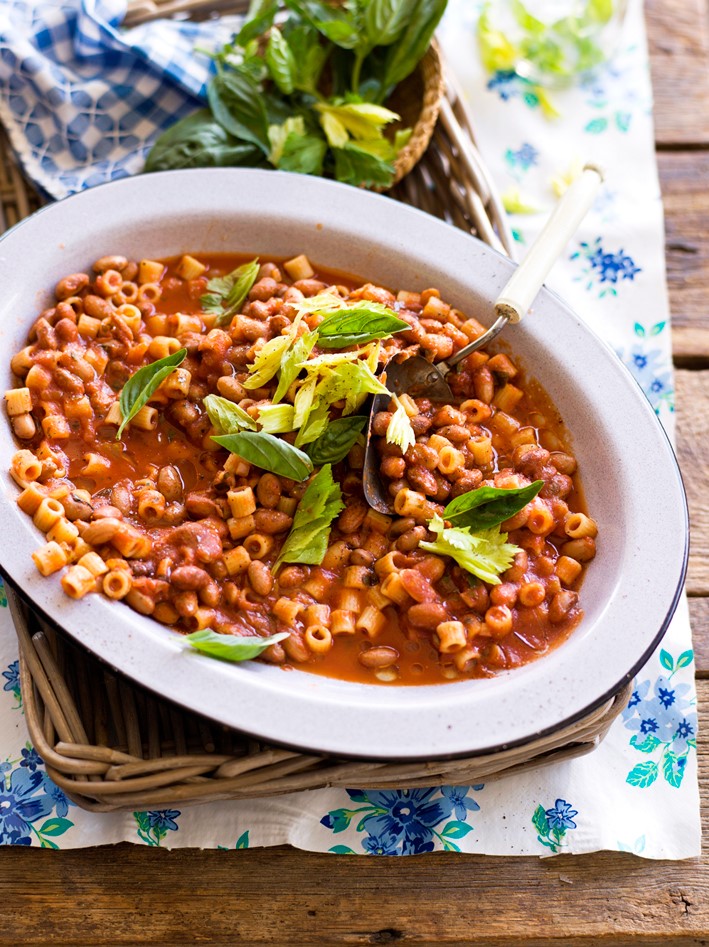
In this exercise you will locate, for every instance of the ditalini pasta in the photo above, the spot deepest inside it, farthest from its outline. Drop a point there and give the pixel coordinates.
(191, 442)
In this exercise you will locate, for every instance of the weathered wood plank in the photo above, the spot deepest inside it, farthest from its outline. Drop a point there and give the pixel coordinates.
(693, 456)
(699, 617)
(138, 896)
(678, 33)
(684, 178)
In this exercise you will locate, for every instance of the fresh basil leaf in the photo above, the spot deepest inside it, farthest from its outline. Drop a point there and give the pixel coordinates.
(235, 101)
(385, 20)
(252, 64)
(357, 325)
(269, 453)
(370, 88)
(337, 440)
(404, 55)
(292, 362)
(335, 23)
(143, 383)
(281, 62)
(489, 506)
(319, 505)
(227, 294)
(303, 154)
(355, 165)
(227, 417)
(198, 141)
(278, 108)
(486, 554)
(259, 18)
(310, 55)
(231, 647)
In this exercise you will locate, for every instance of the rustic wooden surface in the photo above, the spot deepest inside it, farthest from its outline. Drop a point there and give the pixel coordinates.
(133, 896)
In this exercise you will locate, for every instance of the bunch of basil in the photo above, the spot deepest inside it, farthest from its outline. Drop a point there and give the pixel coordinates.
(301, 87)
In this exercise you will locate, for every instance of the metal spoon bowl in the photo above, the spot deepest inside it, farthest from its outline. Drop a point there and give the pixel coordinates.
(420, 378)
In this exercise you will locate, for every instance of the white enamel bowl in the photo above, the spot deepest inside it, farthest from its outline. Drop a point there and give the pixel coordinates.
(629, 473)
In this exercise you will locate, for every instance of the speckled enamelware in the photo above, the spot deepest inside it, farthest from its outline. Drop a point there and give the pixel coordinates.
(629, 472)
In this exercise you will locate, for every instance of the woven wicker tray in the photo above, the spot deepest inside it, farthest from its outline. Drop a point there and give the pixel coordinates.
(110, 744)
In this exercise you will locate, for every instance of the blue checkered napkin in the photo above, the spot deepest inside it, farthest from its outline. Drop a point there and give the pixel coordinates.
(82, 99)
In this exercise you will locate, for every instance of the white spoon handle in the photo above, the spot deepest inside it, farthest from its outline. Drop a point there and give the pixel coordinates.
(517, 296)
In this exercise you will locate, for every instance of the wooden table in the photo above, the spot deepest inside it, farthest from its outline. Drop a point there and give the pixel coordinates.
(133, 895)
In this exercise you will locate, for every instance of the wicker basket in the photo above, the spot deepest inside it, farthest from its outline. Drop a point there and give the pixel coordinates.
(416, 100)
(110, 744)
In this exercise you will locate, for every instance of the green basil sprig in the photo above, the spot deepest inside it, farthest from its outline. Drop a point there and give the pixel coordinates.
(199, 141)
(231, 647)
(239, 108)
(143, 383)
(335, 443)
(227, 293)
(319, 505)
(259, 19)
(357, 325)
(489, 506)
(269, 453)
(227, 417)
(267, 95)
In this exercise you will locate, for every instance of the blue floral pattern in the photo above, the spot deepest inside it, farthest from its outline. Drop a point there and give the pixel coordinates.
(603, 270)
(635, 848)
(153, 826)
(649, 368)
(663, 719)
(521, 159)
(610, 115)
(31, 758)
(406, 821)
(508, 85)
(552, 824)
(12, 683)
(27, 795)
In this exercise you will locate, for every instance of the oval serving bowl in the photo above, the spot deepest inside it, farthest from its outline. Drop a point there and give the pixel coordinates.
(629, 474)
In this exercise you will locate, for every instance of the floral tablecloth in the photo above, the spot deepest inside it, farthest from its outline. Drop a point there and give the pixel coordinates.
(638, 792)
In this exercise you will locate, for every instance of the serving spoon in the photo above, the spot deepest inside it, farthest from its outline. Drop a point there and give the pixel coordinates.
(419, 377)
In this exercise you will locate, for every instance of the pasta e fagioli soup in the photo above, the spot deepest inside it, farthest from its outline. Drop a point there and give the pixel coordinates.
(191, 437)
